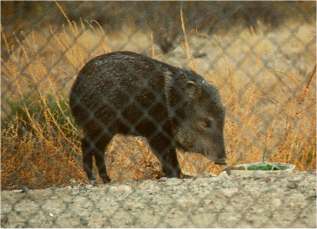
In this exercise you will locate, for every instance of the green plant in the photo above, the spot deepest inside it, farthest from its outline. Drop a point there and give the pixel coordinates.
(34, 111)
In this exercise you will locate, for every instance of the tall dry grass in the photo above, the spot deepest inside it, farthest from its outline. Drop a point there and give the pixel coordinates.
(272, 120)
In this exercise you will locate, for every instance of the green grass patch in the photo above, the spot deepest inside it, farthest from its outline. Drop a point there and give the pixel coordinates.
(49, 113)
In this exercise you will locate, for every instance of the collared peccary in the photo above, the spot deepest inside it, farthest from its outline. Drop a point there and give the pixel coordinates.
(129, 93)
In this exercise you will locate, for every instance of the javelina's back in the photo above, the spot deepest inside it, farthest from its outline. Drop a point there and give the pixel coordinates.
(121, 86)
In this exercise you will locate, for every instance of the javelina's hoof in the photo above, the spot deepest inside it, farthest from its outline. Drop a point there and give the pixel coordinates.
(227, 170)
(184, 176)
(93, 182)
(105, 180)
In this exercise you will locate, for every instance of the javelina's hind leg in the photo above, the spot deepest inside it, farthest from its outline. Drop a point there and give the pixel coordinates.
(100, 158)
(95, 146)
(88, 154)
(166, 153)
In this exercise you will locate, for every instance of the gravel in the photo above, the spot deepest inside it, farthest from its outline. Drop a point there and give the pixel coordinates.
(257, 199)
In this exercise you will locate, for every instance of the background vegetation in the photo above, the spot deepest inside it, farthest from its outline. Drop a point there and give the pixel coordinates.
(261, 56)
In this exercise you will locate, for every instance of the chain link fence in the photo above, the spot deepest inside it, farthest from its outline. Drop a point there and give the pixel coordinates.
(259, 55)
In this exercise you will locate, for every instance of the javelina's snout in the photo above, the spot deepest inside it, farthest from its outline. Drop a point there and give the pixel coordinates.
(221, 161)
(221, 157)
(218, 157)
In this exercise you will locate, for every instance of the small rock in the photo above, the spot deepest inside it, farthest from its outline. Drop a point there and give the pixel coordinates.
(73, 182)
(120, 188)
(228, 192)
(89, 186)
(163, 179)
(292, 185)
(295, 178)
(25, 189)
(83, 222)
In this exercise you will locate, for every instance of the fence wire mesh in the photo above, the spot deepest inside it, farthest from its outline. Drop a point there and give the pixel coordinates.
(59, 114)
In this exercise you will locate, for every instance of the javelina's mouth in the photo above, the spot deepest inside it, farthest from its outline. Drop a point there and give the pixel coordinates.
(220, 161)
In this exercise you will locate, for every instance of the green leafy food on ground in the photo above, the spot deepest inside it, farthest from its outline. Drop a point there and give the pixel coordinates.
(265, 166)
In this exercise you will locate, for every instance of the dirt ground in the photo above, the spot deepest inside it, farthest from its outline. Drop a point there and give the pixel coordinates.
(269, 199)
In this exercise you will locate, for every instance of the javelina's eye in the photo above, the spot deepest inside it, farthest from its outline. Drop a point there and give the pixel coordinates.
(207, 123)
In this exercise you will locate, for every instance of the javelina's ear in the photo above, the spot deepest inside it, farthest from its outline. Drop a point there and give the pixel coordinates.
(192, 89)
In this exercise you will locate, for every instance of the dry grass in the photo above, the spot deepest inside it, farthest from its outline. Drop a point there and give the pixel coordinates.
(271, 117)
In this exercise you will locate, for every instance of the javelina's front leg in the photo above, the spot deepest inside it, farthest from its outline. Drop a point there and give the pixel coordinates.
(170, 163)
(166, 153)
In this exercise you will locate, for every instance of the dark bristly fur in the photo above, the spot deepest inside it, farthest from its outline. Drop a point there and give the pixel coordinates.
(128, 93)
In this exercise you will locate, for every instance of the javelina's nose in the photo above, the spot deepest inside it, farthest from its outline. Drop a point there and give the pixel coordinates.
(221, 161)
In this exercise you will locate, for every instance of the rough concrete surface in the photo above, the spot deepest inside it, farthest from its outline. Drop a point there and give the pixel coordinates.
(269, 199)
